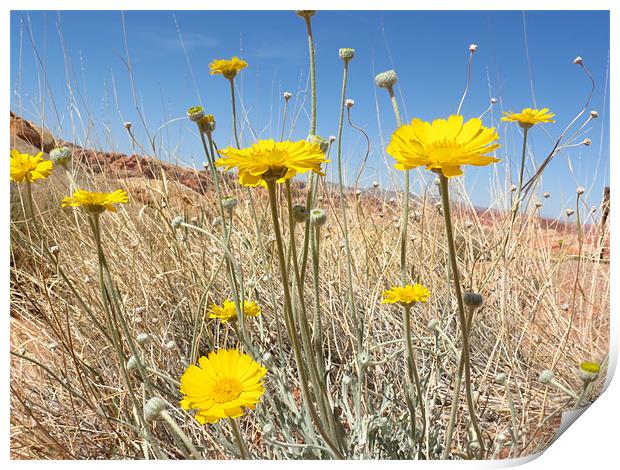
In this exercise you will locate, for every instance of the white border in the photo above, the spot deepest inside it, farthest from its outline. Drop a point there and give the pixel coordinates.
(590, 443)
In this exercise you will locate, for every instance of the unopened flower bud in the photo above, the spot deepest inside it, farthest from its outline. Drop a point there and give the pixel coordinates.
(177, 221)
(287, 95)
(332, 138)
(472, 299)
(593, 114)
(363, 358)
(268, 429)
(546, 195)
(473, 48)
(54, 250)
(501, 378)
(580, 190)
(513, 188)
(593, 209)
(230, 202)
(349, 103)
(546, 376)
(195, 113)
(127, 125)
(578, 60)
(207, 124)
(587, 142)
(132, 363)
(346, 53)
(565, 307)
(538, 204)
(493, 100)
(267, 359)
(171, 345)
(386, 79)
(375, 184)
(433, 324)
(143, 338)
(569, 212)
(392, 200)
(318, 217)
(60, 155)
(300, 214)
(154, 408)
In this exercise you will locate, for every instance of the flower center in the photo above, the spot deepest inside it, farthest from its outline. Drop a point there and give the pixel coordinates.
(227, 389)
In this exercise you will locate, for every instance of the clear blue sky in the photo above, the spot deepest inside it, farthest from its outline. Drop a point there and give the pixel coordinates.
(88, 79)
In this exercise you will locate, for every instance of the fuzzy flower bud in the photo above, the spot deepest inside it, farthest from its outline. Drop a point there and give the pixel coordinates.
(473, 48)
(538, 204)
(592, 209)
(60, 155)
(300, 214)
(363, 358)
(546, 376)
(433, 324)
(472, 299)
(332, 139)
(501, 378)
(349, 103)
(513, 188)
(195, 113)
(143, 338)
(318, 217)
(569, 212)
(587, 142)
(230, 202)
(546, 195)
(176, 222)
(386, 79)
(54, 250)
(132, 364)
(375, 184)
(287, 95)
(493, 100)
(127, 125)
(154, 408)
(171, 345)
(580, 190)
(593, 114)
(346, 53)
(578, 60)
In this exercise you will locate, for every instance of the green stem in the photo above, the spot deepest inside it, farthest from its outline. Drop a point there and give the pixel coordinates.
(343, 208)
(241, 443)
(445, 199)
(179, 432)
(413, 379)
(312, 74)
(288, 313)
(234, 111)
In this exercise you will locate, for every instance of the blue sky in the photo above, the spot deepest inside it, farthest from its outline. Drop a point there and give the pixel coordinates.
(86, 80)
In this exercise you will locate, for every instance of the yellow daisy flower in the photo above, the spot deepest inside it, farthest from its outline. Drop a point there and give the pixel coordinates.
(227, 311)
(443, 145)
(269, 160)
(406, 295)
(228, 68)
(95, 202)
(222, 385)
(25, 167)
(528, 117)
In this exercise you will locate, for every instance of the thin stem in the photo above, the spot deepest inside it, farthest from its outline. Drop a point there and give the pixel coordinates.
(179, 432)
(243, 446)
(234, 111)
(343, 209)
(288, 311)
(445, 199)
(312, 75)
(413, 379)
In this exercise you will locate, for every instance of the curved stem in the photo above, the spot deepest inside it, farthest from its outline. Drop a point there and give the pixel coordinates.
(243, 446)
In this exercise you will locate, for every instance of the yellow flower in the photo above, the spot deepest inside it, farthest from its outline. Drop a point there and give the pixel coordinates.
(406, 295)
(227, 311)
(228, 68)
(443, 145)
(94, 202)
(222, 385)
(25, 167)
(269, 160)
(528, 117)
(591, 367)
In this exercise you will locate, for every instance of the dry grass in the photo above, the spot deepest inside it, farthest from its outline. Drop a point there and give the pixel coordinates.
(71, 402)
